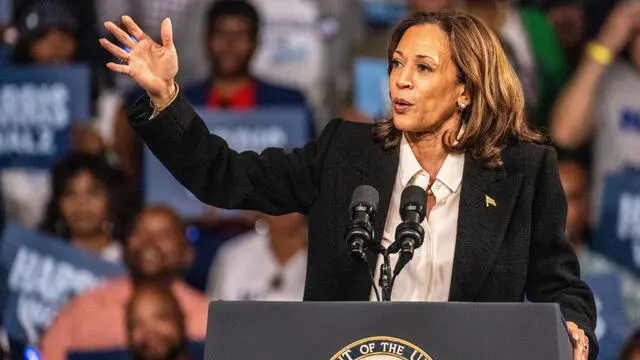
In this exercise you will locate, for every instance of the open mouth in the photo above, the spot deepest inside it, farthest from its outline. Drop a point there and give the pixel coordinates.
(401, 106)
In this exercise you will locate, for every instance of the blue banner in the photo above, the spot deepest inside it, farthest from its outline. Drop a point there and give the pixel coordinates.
(618, 230)
(372, 87)
(243, 130)
(6, 10)
(384, 12)
(39, 274)
(612, 329)
(37, 107)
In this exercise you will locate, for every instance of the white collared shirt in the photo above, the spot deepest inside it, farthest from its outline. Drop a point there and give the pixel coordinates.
(427, 277)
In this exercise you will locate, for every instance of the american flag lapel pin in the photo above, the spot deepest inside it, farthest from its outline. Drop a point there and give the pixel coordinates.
(489, 201)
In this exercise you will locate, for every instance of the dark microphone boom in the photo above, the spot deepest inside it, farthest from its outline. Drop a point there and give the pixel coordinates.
(360, 234)
(409, 234)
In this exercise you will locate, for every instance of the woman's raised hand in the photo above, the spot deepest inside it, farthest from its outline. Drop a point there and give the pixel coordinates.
(151, 65)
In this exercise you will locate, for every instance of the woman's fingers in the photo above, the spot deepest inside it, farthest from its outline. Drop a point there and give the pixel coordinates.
(166, 33)
(121, 68)
(115, 50)
(120, 34)
(133, 28)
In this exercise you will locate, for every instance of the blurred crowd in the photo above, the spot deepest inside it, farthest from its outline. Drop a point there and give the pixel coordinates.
(578, 62)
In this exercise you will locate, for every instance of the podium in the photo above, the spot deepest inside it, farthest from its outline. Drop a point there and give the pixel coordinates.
(377, 331)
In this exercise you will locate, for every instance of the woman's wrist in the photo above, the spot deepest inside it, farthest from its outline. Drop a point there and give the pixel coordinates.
(166, 97)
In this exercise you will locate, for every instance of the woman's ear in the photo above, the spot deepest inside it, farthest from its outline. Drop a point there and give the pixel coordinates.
(464, 98)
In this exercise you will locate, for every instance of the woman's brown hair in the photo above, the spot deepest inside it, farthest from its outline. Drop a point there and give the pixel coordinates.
(495, 117)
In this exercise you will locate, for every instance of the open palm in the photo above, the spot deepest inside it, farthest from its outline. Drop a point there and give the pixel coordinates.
(151, 65)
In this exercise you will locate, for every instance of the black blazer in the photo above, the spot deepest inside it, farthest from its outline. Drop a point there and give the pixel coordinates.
(503, 253)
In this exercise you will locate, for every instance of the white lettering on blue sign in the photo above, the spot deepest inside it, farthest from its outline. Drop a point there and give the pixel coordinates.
(629, 223)
(43, 283)
(255, 139)
(28, 105)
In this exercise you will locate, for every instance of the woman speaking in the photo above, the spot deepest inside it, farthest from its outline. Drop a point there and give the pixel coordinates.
(495, 207)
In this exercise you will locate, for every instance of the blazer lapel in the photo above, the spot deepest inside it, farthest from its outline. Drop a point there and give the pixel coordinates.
(487, 199)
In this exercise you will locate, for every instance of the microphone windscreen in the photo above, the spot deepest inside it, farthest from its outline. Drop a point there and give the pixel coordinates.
(365, 195)
(413, 198)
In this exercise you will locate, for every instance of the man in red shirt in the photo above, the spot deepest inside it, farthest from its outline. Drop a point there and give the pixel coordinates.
(232, 38)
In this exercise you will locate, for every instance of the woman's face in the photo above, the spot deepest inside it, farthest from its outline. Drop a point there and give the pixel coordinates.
(84, 205)
(55, 47)
(423, 82)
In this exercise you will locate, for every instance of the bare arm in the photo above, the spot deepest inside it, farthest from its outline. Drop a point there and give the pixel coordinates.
(572, 118)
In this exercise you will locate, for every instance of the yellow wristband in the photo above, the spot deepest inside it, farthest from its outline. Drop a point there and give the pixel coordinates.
(599, 53)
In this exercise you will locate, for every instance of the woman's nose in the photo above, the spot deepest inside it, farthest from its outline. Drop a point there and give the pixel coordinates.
(404, 81)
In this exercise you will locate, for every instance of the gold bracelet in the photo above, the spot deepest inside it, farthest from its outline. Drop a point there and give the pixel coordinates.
(174, 95)
(599, 53)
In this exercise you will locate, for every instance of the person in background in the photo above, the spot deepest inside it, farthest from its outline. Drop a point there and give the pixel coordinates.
(268, 263)
(568, 19)
(603, 94)
(574, 180)
(233, 30)
(49, 36)
(156, 328)
(533, 50)
(87, 205)
(631, 350)
(156, 252)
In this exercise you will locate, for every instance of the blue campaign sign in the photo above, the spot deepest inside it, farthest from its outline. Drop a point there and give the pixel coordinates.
(384, 12)
(371, 87)
(38, 275)
(612, 329)
(37, 108)
(618, 231)
(243, 130)
(6, 10)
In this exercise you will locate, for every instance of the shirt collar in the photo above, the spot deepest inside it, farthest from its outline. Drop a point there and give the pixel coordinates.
(450, 173)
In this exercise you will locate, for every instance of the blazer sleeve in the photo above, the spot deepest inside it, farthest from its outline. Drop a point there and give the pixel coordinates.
(274, 182)
(554, 272)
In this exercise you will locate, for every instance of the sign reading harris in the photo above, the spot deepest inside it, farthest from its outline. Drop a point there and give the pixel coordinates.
(244, 131)
(37, 107)
(39, 274)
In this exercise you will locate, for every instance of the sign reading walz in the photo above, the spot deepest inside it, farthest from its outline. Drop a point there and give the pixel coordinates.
(37, 108)
(244, 131)
(38, 275)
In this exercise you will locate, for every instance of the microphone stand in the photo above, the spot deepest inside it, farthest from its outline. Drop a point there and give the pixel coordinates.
(385, 281)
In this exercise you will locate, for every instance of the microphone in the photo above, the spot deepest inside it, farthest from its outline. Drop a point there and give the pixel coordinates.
(409, 233)
(360, 234)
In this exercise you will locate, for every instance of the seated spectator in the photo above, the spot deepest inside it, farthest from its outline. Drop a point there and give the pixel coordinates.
(86, 206)
(49, 36)
(268, 263)
(603, 95)
(631, 350)
(574, 180)
(156, 252)
(156, 325)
